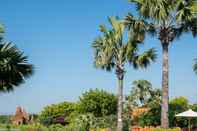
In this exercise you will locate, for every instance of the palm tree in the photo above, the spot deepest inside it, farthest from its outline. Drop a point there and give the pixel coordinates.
(114, 51)
(14, 67)
(168, 20)
(195, 66)
(142, 94)
(142, 90)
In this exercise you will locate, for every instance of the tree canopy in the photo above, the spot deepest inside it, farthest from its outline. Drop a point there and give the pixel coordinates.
(98, 102)
(57, 113)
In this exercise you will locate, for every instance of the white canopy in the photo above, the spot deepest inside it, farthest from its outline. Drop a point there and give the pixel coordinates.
(188, 113)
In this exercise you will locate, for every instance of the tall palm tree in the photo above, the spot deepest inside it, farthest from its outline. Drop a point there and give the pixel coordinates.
(14, 67)
(195, 66)
(168, 20)
(113, 50)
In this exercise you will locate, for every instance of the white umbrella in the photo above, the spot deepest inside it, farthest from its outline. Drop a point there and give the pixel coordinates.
(190, 114)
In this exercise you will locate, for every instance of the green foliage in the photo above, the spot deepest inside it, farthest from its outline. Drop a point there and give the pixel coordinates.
(34, 127)
(178, 105)
(112, 51)
(168, 19)
(84, 121)
(160, 129)
(152, 117)
(74, 128)
(88, 121)
(5, 119)
(50, 114)
(56, 127)
(14, 67)
(143, 94)
(98, 102)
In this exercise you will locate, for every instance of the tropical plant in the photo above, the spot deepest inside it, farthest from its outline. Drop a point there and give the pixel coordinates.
(57, 113)
(141, 91)
(142, 94)
(113, 51)
(5, 119)
(178, 105)
(98, 102)
(195, 66)
(168, 20)
(14, 67)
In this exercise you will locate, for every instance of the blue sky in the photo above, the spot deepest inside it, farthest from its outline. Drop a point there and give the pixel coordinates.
(57, 36)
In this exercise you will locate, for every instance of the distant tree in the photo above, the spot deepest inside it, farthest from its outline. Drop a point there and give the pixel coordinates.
(5, 119)
(98, 102)
(143, 93)
(195, 66)
(57, 113)
(167, 20)
(113, 51)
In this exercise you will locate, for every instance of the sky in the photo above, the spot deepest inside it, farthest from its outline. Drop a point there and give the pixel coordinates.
(56, 35)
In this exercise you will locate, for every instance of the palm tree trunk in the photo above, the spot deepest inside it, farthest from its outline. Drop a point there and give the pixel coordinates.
(120, 102)
(165, 95)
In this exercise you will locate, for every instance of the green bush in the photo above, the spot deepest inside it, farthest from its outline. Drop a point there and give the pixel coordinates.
(161, 129)
(87, 121)
(98, 102)
(5, 119)
(34, 127)
(71, 127)
(56, 127)
(50, 114)
(152, 117)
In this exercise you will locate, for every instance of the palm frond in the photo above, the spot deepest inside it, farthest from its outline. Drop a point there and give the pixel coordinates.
(14, 67)
(185, 11)
(112, 50)
(144, 59)
(139, 27)
(157, 10)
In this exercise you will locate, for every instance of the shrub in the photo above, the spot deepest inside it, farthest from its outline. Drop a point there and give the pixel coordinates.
(56, 127)
(152, 117)
(56, 113)
(154, 129)
(34, 127)
(160, 129)
(98, 102)
(5, 119)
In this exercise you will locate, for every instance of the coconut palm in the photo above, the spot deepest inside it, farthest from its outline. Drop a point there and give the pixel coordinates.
(14, 67)
(113, 50)
(195, 66)
(168, 20)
